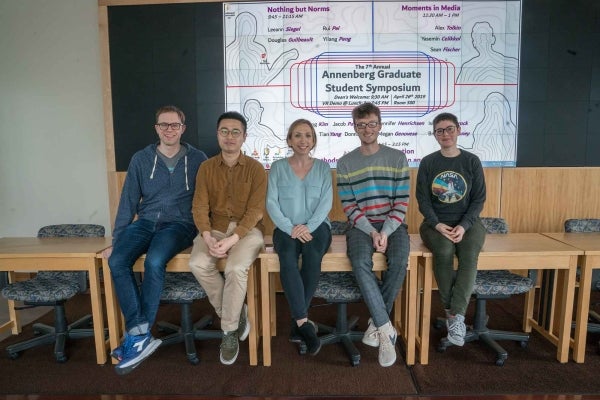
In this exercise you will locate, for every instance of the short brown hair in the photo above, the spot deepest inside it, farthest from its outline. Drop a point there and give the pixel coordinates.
(167, 109)
(365, 109)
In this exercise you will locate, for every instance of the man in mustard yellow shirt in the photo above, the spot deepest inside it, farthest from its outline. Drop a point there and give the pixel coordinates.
(228, 207)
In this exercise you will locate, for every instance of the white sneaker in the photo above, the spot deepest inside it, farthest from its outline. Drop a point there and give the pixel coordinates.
(456, 329)
(371, 338)
(387, 345)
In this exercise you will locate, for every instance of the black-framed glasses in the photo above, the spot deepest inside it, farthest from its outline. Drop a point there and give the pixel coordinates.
(364, 125)
(224, 132)
(163, 126)
(449, 130)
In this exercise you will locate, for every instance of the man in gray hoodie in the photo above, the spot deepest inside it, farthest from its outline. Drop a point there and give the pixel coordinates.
(158, 188)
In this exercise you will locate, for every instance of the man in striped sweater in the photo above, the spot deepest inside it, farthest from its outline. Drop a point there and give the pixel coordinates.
(373, 185)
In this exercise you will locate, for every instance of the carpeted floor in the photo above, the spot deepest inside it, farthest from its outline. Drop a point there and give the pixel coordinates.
(458, 371)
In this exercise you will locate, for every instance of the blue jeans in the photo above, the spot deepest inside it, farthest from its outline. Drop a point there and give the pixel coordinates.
(378, 297)
(160, 242)
(299, 285)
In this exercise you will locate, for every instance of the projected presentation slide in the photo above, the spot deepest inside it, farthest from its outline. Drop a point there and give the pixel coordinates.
(414, 60)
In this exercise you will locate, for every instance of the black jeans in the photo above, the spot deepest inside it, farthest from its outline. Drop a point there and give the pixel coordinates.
(300, 284)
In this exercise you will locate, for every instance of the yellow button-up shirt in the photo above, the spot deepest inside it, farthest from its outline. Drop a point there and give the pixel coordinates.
(230, 194)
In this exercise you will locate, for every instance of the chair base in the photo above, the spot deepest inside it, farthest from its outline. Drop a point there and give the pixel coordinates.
(343, 333)
(593, 325)
(58, 334)
(187, 333)
(480, 332)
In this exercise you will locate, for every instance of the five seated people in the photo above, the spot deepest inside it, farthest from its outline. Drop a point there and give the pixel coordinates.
(180, 198)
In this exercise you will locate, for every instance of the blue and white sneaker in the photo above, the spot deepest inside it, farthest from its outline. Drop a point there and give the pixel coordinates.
(135, 349)
(117, 353)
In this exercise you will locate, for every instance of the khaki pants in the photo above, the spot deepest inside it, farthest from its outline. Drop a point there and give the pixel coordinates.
(226, 294)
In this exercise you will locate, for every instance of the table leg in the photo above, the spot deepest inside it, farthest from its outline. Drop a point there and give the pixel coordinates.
(97, 313)
(426, 271)
(410, 320)
(265, 296)
(583, 309)
(252, 316)
(567, 278)
(113, 313)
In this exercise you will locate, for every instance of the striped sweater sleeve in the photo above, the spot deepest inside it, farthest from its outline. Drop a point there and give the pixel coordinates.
(374, 189)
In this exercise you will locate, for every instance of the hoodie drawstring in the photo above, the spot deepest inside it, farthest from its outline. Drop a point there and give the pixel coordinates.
(154, 167)
(187, 186)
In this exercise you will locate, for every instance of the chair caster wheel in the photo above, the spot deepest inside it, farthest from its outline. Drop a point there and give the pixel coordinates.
(500, 362)
(194, 360)
(355, 363)
(523, 344)
(13, 355)
(441, 348)
(61, 358)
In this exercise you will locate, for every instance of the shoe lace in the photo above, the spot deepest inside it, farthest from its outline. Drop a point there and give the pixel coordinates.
(127, 345)
(385, 341)
(456, 327)
(372, 332)
(229, 340)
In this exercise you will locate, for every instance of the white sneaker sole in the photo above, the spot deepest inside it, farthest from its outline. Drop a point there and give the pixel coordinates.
(125, 368)
(229, 362)
(456, 342)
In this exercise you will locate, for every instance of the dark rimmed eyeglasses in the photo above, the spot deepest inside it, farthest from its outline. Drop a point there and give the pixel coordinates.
(363, 125)
(449, 130)
(163, 126)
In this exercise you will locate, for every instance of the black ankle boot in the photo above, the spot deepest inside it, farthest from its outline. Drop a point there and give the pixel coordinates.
(309, 334)
(295, 335)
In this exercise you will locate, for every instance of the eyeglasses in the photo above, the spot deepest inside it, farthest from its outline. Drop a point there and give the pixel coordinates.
(363, 125)
(449, 130)
(174, 125)
(224, 132)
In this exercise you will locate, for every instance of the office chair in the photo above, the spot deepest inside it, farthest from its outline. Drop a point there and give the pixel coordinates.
(182, 288)
(588, 225)
(492, 285)
(51, 288)
(340, 288)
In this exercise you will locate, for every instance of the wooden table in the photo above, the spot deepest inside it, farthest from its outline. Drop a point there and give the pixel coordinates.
(590, 244)
(179, 263)
(405, 308)
(517, 251)
(32, 254)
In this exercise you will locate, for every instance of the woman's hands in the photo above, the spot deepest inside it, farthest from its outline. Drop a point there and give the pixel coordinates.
(301, 233)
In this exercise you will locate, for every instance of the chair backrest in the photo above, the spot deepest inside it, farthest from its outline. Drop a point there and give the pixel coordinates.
(586, 225)
(339, 227)
(494, 224)
(582, 225)
(70, 230)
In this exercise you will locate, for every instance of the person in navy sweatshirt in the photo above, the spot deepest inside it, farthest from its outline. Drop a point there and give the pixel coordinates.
(158, 189)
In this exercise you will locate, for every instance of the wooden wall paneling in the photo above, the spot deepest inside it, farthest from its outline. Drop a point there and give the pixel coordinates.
(540, 199)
